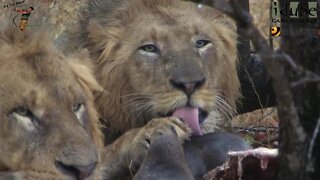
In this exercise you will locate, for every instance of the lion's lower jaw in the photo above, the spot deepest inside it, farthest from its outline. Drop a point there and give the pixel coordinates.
(215, 122)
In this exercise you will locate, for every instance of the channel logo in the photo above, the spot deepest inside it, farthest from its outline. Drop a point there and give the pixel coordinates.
(275, 31)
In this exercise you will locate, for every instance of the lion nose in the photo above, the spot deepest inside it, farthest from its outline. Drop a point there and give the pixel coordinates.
(77, 160)
(79, 171)
(187, 87)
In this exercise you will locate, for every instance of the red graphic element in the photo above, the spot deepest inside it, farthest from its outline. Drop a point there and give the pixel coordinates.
(21, 11)
(24, 17)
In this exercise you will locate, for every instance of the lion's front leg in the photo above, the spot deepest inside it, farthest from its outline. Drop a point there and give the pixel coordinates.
(124, 156)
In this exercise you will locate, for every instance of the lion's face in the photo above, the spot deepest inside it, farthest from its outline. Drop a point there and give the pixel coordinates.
(174, 66)
(48, 126)
(168, 58)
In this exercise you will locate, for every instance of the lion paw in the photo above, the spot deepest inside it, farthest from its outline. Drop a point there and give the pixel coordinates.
(131, 148)
(159, 126)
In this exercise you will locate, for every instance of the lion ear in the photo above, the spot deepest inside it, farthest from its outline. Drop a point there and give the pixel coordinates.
(83, 71)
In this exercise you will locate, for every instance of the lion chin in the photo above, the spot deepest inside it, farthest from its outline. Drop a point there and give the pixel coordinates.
(160, 59)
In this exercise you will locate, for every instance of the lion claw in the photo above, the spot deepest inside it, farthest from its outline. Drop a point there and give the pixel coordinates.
(159, 126)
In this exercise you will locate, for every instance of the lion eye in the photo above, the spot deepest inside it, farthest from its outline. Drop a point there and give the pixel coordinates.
(202, 43)
(76, 107)
(78, 110)
(24, 117)
(149, 48)
(23, 111)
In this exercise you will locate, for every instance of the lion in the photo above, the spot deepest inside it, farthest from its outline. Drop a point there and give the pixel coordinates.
(49, 128)
(158, 60)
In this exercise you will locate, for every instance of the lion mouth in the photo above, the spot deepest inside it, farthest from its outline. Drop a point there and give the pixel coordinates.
(192, 116)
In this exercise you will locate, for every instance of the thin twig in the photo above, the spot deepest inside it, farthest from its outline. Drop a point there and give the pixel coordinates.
(261, 128)
(309, 77)
(253, 86)
(305, 80)
(281, 56)
(312, 142)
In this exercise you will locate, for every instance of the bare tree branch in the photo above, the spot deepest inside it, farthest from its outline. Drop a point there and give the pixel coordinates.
(311, 146)
(286, 107)
(309, 77)
(290, 125)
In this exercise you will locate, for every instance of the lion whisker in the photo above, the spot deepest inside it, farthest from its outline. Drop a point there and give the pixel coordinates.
(223, 110)
(220, 99)
(151, 109)
(172, 106)
(234, 92)
(146, 107)
(136, 94)
(226, 111)
(226, 114)
(137, 98)
(140, 105)
(133, 104)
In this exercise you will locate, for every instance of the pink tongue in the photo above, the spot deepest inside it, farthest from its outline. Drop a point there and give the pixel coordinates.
(190, 116)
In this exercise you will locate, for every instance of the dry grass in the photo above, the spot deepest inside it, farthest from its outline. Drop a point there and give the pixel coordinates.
(259, 118)
(259, 128)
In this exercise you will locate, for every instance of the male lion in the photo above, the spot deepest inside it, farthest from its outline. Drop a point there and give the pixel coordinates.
(48, 126)
(157, 59)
